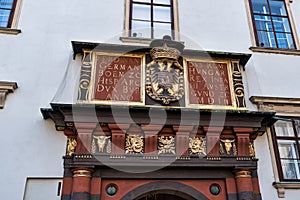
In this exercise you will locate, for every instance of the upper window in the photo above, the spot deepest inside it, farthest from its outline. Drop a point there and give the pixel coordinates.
(271, 24)
(7, 8)
(286, 134)
(151, 18)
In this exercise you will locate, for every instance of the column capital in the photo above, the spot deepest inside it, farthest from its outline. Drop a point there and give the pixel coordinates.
(82, 172)
(243, 173)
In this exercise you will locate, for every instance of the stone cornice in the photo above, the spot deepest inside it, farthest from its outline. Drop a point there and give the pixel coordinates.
(281, 105)
(5, 88)
(10, 31)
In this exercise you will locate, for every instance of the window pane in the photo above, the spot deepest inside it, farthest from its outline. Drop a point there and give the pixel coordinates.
(4, 15)
(161, 29)
(141, 12)
(277, 7)
(287, 149)
(161, 13)
(141, 29)
(285, 40)
(7, 4)
(144, 1)
(260, 6)
(266, 39)
(263, 23)
(283, 128)
(281, 24)
(290, 169)
(162, 1)
(297, 126)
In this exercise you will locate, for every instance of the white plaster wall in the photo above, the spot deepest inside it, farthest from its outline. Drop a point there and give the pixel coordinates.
(37, 59)
(265, 170)
(215, 25)
(273, 75)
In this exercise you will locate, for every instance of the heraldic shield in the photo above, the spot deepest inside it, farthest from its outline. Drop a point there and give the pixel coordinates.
(164, 75)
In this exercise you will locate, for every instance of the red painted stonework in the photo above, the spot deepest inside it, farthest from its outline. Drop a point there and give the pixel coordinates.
(125, 186)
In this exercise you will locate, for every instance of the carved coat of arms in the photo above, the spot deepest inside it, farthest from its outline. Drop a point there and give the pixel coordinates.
(164, 75)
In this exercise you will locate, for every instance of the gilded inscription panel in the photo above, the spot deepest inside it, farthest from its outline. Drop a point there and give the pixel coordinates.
(118, 78)
(209, 83)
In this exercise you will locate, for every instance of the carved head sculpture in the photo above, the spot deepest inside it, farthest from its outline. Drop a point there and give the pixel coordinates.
(101, 141)
(228, 145)
(166, 145)
(134, 144)
(196, 144)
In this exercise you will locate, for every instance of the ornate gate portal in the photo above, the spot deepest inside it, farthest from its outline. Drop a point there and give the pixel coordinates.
(159, 122)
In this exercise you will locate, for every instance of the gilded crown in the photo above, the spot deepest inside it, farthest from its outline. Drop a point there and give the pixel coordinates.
(164, 52)
(165, 48)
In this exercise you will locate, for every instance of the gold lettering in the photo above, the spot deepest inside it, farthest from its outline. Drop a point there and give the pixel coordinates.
(211, 101)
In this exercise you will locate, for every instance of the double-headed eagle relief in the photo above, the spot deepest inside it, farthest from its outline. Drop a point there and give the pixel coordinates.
(164, 75)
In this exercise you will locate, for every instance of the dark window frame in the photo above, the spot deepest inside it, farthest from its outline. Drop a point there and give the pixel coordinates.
(11, 14)
(295, 138)
(270, 15)
(152, 21)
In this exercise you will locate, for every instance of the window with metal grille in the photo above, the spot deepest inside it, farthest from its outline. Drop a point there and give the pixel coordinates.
(271, 24)
(286, 138)
(151, 18)
(7, 8)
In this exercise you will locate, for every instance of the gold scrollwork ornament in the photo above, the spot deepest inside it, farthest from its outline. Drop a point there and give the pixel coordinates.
(134, 144)
(71, 145)
(251, 149)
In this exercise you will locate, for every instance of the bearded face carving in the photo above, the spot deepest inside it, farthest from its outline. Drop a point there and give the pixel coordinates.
(197, 146)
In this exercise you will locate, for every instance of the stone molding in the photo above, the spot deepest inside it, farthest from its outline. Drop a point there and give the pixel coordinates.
(5, 88)
(281, 105)
(10, 31)
(281, 186)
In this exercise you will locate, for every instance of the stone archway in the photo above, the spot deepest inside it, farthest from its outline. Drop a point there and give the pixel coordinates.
(164, 190)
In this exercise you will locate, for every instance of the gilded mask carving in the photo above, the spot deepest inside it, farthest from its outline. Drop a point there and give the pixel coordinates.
(134, 144)
(197, 146)
(166, 145)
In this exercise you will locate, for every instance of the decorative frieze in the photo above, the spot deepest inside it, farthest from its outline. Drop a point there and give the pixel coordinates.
(165, 75)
